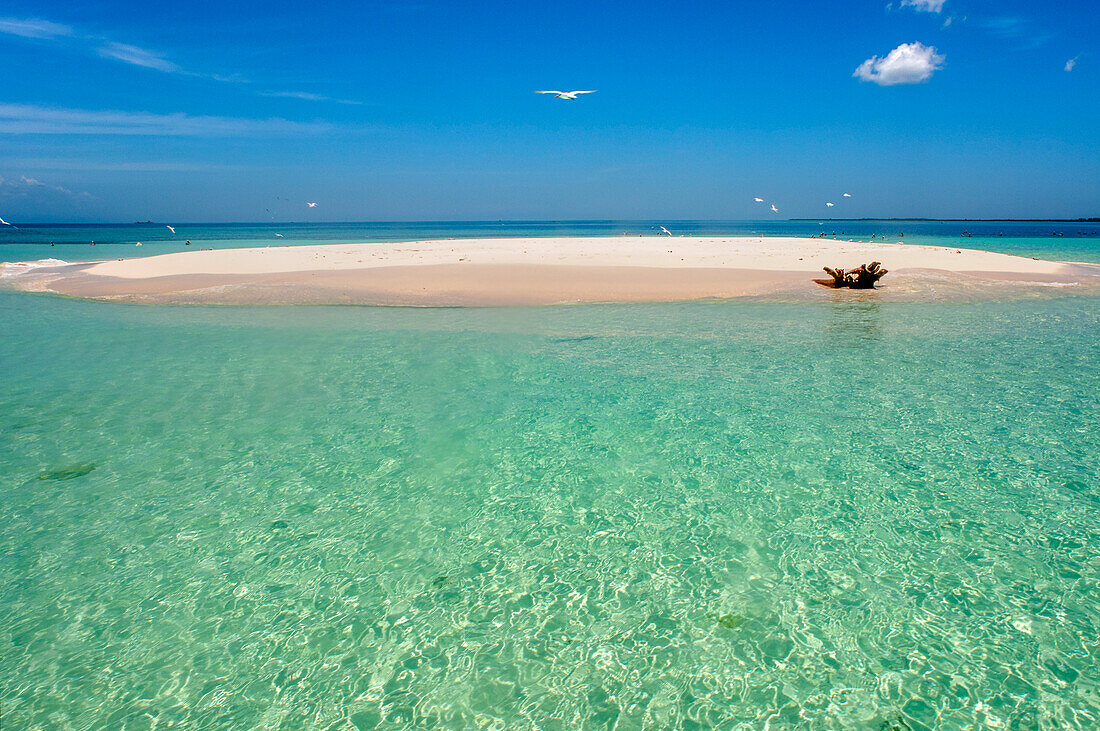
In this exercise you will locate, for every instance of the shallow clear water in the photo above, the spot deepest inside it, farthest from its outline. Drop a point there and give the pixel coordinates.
(846, 515)
(1070, 241)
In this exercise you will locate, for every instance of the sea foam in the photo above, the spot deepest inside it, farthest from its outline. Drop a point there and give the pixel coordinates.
(15, 268)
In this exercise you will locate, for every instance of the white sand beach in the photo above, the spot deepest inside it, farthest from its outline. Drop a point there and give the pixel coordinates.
(538, 271)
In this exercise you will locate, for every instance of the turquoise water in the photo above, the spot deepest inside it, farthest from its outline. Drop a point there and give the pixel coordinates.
(1075, 241)
(837, 515)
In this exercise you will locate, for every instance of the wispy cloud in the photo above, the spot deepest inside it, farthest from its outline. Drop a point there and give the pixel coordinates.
(1006, 26)
(909, 63)
(296, 95)
(37, 28)
(924, 6)
(1016, 28)
(1072, 63)
(138, 57)
(69, 164)
(30, 119)
(104, 47)
(34, 28)
(306, 96)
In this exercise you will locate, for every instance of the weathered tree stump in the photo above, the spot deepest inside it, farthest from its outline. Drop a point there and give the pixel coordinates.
(864, 277)
(838, 278)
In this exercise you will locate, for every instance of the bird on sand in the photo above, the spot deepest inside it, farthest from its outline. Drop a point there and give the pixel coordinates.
(758, 200)
(774, 209)
(311, 205)
(566, 94)
(171, 228)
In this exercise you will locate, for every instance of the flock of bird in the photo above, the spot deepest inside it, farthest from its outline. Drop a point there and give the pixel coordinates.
(571, 95)
(309, 204)
(776, 210)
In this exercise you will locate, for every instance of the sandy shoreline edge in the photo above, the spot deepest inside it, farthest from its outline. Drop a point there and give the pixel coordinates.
(522, 271)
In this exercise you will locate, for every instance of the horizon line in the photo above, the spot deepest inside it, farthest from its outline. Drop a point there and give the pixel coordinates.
(32, 224)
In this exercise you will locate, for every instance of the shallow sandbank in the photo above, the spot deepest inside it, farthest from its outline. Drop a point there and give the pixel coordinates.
(546, 271)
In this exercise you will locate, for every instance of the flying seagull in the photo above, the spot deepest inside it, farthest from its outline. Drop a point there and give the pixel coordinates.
(830, 205)
(171, 228)
(311, 205)
(6, 223)
(847, 195)
(774, 209)
(758, 200)
(666, 230)
(279, 235)
(566, 94)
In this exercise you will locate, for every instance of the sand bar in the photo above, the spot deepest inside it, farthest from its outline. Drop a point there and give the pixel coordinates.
(507, 271)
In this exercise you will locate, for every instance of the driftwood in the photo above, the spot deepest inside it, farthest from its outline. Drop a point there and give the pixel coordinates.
(862, 278)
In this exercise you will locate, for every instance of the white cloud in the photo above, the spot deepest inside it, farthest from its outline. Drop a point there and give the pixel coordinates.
(34, 28)
(924, 6)
(909, 63)
(29, 119)
(137, 57)
(35, 183)
(1072, 63)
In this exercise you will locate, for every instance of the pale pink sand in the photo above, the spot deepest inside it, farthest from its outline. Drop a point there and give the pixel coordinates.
(536, 271)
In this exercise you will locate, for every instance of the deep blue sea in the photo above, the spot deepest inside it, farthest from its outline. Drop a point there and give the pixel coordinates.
(842, 514)
(72, 242)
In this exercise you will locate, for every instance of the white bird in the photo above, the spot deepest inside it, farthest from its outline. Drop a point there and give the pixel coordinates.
(830, 205)
(279, 235)
(311, 205)
(138, 244)
(847, 195)
(566, 94)
(774, 209)
(171, 228)
(666, 230)
(758, 200)
(5, 223)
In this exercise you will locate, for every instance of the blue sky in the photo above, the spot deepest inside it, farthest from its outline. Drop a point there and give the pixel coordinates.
(216, 111)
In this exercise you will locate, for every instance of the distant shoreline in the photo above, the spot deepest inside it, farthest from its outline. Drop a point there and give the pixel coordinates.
(962, 220)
